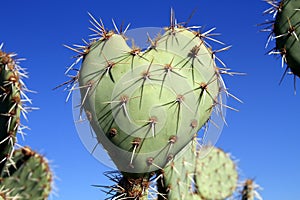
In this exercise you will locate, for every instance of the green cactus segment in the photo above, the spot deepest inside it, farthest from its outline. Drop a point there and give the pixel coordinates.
(216, 175)
(10, 106)
(146, 106)
(178, 175)
(29, 176)
(287, 33)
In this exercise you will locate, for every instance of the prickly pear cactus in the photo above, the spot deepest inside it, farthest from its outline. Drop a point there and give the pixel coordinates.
(177, 177)
(146, 105)
(216, 175)
(24, 174)
(199, 173)
(10, 105)
(285, 30)
(29, 177)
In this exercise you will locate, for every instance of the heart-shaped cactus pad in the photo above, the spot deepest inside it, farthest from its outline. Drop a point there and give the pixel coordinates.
(145, 105)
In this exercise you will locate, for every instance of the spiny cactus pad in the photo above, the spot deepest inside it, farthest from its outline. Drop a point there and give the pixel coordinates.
(178, 175)
(287, 31)
(215, 175)
(29, 176)
(145, 106)
(10, 105)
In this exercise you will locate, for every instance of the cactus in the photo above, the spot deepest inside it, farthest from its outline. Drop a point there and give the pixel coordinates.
(285, 30)
(199, 173)
(145, 106)
(10, 105)
(29, 176)
(216, 174)
(24, 174)
(133, 107)
(177, 177)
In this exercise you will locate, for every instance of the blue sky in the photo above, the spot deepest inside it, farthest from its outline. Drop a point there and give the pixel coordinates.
(263, 135)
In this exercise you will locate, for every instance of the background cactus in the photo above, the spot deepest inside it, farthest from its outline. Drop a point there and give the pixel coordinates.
(29, 177)
(196, 174)
(24, 174)
(216, 174)
(10, 105)
(285, 30)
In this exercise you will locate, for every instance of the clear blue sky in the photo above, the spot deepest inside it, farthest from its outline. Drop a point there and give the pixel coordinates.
(263, 136)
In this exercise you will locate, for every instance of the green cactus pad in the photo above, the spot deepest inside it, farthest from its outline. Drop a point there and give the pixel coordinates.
(287, 33)
(145, 106)
(10, 105)
(216, 175)
(29, 177)
(178, 174)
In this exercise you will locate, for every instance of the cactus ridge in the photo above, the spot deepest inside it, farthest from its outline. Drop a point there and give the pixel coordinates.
(285, 30)
(29, 177)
